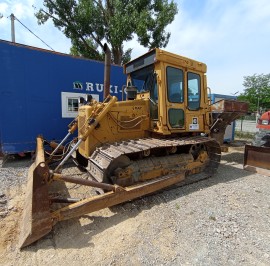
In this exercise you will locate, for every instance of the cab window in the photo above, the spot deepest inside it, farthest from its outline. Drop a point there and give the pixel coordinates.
(176, 118)
(154, 98)
(194, 89)
(175, 85)
(146, 80)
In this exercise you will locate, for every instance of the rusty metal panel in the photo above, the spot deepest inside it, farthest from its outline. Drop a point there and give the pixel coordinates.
(224, 112)
(36, 219)
(257, 159)
(226, 105)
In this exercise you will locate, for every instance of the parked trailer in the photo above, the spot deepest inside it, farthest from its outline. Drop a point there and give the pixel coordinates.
(40, 92)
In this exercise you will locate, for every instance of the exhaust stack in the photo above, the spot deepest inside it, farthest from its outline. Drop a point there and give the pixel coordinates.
(107, 70)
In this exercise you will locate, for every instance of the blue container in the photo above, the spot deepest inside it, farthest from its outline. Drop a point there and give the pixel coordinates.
(40, 90)
(230, 130)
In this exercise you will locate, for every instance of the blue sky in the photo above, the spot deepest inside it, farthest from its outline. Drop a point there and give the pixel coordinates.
(231, 37)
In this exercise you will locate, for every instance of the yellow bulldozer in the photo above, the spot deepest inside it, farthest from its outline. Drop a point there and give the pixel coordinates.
(166, 131)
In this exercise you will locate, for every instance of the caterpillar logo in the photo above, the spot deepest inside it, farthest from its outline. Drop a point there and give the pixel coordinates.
(77, 85)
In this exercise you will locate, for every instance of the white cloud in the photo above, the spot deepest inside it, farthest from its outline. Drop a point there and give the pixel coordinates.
(258, 10)
(231, 37)
(24, 12)
(21, 9)
(3, 10)
(3, 7)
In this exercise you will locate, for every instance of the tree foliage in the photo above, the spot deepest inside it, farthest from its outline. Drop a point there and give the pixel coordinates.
(91, 23)
(257, 91)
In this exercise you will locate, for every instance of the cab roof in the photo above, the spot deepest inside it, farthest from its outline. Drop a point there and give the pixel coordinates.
(158, 55)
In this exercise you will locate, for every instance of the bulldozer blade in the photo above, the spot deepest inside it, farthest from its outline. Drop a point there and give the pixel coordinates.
(36, 218)
(257, 159)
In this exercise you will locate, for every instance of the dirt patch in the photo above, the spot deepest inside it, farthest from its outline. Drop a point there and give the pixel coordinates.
(10, 221)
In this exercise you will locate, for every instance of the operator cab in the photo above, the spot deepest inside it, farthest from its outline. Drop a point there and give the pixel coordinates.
(176, 89)
(145, 81)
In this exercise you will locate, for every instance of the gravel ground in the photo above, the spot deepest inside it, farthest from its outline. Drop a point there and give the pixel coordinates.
(220, 221)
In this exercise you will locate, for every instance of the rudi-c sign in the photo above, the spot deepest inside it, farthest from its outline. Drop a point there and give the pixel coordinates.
(90, 87)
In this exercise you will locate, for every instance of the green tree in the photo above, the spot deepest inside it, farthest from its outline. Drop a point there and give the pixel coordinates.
(257, 91)
(91, 23)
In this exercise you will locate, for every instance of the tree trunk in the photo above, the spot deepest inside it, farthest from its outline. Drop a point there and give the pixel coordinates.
(117, 55)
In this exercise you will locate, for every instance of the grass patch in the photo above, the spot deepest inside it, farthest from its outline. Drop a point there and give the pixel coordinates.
(244, 135)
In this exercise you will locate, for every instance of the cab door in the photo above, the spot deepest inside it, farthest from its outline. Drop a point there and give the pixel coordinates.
(175, 98)
(194, 114)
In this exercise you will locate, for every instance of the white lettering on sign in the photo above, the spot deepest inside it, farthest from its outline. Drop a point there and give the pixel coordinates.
(114, 89)
(96, 87)
(99, 87)
(89, 86)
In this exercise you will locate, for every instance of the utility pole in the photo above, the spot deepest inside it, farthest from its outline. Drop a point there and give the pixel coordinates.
(258, 104)
(12, 18)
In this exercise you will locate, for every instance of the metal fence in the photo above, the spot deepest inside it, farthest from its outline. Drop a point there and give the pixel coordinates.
(246, 124)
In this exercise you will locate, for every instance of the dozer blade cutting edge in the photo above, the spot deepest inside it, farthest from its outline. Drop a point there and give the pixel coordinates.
(36, 218)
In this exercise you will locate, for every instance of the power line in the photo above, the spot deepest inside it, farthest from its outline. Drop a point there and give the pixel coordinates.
(34, 33)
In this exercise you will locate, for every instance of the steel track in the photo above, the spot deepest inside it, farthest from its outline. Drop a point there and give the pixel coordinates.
(106, 155)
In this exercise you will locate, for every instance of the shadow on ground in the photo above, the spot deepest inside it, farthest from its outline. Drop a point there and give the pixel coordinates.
(227, 172)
